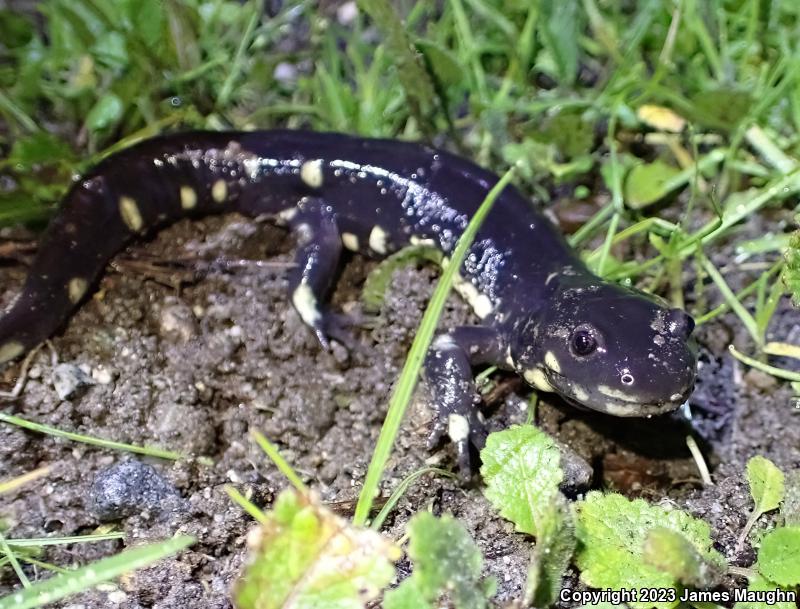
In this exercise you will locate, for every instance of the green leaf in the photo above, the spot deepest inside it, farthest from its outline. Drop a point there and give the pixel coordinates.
(408, 595)
(79, 580)
(766, 483)
(522, 473)
(670, 551)
(791, 272)
(560, 25)
(442, 62)
(551, 555)
(105, 113)
(304, 556)
(648, 182)
(446, 560)
(378, 280)
(611, 532)
(110, 50)
(41, 148)
(779, 556)
(569, 132)
(16, 29)
(759, 584)
(147, 17)
(709, 108)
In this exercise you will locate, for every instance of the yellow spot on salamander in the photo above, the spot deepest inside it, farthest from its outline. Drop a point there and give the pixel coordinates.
(286, 215)
(420, 241)
(10, 350)
(617, 394)
(311, 173)
(350, 241)
(537, 378)
(457, 427)
(618, 410)
(480, 303)
(580, 394)
(305, 302)
(377, 240)
(551, 362)
(219, 191)
(188, 197)
(130, 213)
(76, 289)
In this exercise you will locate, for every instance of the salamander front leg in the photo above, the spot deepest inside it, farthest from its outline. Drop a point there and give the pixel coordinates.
(317, 258)
(448, 371)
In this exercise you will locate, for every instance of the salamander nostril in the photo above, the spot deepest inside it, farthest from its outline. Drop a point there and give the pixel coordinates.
(679, 323)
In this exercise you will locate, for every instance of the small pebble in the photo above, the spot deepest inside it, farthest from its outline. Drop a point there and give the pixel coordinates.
(178, 321)
(69, 379)
(760, 380)
(131, 487)
(347, 13)
(285, 72)
(102, 375)
(577, 472)
(117, 597)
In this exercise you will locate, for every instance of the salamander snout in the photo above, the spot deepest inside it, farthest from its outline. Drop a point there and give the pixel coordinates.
(611, 348)
(679, 323)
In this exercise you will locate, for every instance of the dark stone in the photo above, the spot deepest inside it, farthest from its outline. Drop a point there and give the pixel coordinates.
(130, 487)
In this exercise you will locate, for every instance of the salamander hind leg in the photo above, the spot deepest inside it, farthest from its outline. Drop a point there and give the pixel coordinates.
(448, 371)
(318, 254)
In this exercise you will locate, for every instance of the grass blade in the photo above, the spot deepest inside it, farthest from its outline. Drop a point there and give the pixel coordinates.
(408, 378)
(59, 433)
(60, 586)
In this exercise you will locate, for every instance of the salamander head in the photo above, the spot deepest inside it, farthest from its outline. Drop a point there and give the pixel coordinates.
(610, 348)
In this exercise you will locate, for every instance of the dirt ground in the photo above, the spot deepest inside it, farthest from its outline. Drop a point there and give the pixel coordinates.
(195, 369)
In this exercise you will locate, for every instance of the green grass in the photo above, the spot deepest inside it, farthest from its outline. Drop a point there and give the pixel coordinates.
(553, 87)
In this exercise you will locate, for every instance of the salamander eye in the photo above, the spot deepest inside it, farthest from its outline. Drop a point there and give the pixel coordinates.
(583, 343)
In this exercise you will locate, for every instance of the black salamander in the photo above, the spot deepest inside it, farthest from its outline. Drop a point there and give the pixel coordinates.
(543, 313)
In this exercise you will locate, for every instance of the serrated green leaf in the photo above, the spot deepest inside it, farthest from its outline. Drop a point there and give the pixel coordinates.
(759, 584)
(670, 551)
(611, 531)
(779, 556)
(304, 557)
(648, 182)
(79, 580)
(407, 595)
(446, 560)
(766, 484)
(522, 473)
(551, 555)
(378, 280)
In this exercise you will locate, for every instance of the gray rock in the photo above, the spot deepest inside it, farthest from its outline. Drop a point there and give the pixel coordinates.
(69, 379)
(577, 472)
(131, 487)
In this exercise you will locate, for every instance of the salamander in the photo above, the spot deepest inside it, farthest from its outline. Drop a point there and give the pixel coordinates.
(542, 313)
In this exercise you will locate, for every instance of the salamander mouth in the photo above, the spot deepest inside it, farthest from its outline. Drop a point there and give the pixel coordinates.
(588, 400)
